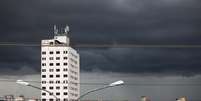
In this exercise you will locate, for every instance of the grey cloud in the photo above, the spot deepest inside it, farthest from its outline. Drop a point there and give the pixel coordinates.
(106, 22)
(143, 60)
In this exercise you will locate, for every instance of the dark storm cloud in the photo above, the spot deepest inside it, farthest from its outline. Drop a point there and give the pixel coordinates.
(143, 60)
(106, 21)
(19, 60)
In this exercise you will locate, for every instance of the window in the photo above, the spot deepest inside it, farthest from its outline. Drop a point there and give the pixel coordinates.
(43, 58)
(51, 52)
(57, 70)
(51, 82)
(65, 69)
(65, 58)
(57, 87)
(43, 64)
(51, 58)
(65, 75)
(43, 82)
(57, 58)
(65, 81)
(43, 76)
(43, 52)
(65, 52)
(43, 87)
(65, 99)
(43, 93)
(43, 70)
(57, 76)
(65, 93)
(43, 99)
(65, 64)
(57, 64)
(51, 64)
(65, 87)
(51, 76)
(57, 93)
(51, 87)
(51, 70)
(51, 100)
(57, 82)
(57, 52)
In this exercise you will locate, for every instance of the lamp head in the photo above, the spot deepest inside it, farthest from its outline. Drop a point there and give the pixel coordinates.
(117, 83)
(21, 82)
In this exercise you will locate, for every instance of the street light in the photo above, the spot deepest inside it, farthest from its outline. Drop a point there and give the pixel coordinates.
(117, 83)
(21, 82)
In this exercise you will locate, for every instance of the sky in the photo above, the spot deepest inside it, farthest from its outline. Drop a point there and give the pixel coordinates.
(113, 22)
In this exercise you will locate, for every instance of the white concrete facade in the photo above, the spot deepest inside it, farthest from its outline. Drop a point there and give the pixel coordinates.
(60, 69)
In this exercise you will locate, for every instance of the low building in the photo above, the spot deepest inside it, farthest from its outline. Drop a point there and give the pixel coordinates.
(145, 98)
(9, 97)
(182, 99)
(20, 98)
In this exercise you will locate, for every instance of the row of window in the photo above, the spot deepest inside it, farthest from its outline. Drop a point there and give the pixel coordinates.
(51, 76)
(65, 99)
(57, 87)
(54, 100)
(52, 58)
(57, 64)
(57, 93)
(57, 82)
(57, 70)
(52, 52)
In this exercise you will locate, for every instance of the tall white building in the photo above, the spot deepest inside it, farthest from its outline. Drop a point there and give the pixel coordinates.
(60, 68)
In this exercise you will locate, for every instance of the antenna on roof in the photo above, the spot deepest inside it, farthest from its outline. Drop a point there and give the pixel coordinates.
(55, 30)
(66, 30)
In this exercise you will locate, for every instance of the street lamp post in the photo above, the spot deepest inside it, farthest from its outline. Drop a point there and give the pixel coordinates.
(21, 82)
(117, 83)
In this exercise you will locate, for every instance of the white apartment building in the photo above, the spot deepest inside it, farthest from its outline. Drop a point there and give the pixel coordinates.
(60, 68)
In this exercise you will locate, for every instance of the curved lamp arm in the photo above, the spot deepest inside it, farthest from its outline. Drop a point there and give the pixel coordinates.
(117, 83)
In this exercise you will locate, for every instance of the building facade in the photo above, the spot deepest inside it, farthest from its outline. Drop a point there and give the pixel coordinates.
(60, 68)
(145, 98)
(182, 99)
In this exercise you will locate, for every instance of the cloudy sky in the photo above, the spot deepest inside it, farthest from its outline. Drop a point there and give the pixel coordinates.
(111, 22)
